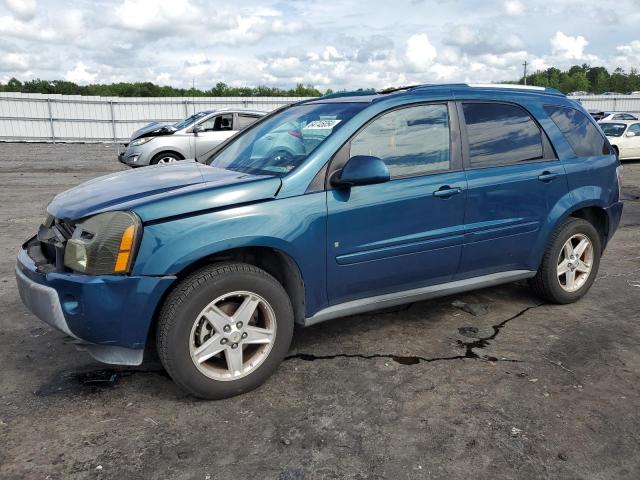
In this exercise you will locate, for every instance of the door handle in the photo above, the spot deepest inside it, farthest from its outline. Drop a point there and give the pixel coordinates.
(447, 191)
(547, 176)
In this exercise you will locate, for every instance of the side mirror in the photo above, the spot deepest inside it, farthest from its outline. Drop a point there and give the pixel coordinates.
(630, 134)
(361, 170)
(197, 129)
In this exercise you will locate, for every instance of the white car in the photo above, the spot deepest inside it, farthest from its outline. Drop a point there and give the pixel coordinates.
(192, 137)
(624, 137)
(613, 116)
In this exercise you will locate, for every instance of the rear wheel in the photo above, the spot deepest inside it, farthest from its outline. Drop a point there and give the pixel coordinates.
(570, 263)
(224, 330)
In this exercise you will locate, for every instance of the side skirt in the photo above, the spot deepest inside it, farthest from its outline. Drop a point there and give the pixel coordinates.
(378, 302)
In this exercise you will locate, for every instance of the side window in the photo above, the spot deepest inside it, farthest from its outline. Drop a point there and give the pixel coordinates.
(411, 141)
(501, 134)
(635, 128)
(244, 121)
(582, 135)
(218, 123)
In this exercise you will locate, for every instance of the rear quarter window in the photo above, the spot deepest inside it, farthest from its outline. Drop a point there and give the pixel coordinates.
(580, 132)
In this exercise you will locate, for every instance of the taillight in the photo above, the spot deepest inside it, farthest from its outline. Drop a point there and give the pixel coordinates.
(295, 133)
(619, 172)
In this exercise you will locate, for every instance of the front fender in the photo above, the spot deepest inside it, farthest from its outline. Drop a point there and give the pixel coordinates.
(295, 226)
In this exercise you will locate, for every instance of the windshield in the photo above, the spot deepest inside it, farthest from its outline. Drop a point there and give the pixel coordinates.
(613, 129)
(281, 143)
(189, 120)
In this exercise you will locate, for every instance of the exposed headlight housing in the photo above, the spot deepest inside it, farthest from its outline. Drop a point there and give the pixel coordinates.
(141, 141)
(103, 244)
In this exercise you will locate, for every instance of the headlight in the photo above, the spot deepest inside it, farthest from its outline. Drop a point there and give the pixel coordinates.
(104, 244)
(141, 141)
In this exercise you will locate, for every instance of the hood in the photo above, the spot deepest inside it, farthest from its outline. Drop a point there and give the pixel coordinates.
(163, 191)
(154, 128)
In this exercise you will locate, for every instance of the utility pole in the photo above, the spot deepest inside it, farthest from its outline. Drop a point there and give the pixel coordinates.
(525, 71)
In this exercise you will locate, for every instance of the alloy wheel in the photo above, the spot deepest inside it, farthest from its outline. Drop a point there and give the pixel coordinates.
(575, 262)
(232, 335)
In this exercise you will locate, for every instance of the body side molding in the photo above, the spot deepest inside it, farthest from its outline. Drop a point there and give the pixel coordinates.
(417, 294)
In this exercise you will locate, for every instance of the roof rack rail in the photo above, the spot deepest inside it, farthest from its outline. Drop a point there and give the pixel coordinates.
(353, 93)
(397, 89)
(515, 86)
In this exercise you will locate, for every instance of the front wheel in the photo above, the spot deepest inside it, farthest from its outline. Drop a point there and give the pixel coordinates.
(224, 330)
(570, 262)
(165, 157)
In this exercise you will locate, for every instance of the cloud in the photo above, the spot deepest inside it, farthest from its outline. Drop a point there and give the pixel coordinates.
(157, 15)
(23, 9)
(420, 52)
(14, 62)
(324, 43)
(80, 74)
(13, 27)
(513, 8)
(568, 48)
(478, 41)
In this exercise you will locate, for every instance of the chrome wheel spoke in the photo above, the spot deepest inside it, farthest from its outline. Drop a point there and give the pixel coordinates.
(258, 335)
(570, 277)
(246, 310)
(581, 247)
(234, 360)
(583, 267)
(208, 349)
(563, 267)
(216, 317)
(567, 249)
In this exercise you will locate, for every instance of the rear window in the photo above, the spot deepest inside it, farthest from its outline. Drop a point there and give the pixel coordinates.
(582, 135)
(501, 134)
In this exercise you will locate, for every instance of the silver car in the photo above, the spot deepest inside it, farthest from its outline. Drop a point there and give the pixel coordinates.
(190, 138)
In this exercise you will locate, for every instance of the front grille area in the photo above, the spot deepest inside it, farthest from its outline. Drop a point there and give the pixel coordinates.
(46, 249)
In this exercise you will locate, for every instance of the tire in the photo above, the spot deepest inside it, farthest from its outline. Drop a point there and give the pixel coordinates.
(554, 287)
(183, 330)
(165, 157)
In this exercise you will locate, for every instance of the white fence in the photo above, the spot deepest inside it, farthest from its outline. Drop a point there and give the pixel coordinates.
(74, 118)
(611, 103)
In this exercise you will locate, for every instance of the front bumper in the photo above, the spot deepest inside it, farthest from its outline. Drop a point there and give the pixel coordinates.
(133, 157)
(109, 316)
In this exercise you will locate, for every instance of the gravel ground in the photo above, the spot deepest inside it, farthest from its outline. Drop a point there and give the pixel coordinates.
(491, 384)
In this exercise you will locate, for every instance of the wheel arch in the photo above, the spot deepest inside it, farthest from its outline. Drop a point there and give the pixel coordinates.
(596, 216)
(274, 261)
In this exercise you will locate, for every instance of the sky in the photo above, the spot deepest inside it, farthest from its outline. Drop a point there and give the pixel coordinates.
(329, 44)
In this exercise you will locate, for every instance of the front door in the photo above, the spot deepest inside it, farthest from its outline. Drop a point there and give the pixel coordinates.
(215, 130)
(408, 232)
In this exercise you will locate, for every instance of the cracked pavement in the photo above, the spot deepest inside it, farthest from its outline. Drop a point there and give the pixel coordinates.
(491, 383)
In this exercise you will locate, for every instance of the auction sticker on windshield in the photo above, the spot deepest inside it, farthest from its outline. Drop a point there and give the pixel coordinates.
(322, 124)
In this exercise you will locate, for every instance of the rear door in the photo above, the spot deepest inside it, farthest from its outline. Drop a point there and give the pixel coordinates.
(216, 129)
(513, 181)
(408, 232)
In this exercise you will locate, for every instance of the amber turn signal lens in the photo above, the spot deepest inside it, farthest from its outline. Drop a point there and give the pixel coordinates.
(122, 262)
